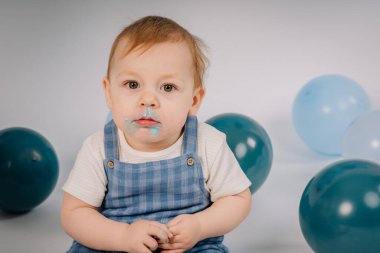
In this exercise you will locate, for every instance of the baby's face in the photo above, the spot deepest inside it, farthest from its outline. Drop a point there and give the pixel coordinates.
(151, 93)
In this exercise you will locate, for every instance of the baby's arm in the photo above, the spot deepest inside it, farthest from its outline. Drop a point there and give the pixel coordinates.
(86, 225)
(221, 217)
(224, 214)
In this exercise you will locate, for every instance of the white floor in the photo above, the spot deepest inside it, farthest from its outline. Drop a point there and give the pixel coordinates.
(272, 226)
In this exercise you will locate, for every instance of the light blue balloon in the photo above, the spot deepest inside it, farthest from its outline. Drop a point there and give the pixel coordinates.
(323, 110)
(362, 138)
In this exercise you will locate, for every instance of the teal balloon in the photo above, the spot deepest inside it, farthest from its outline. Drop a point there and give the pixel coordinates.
(250, 144)
(28, 169)
(340, 208)
(324, 108)
(362, 138)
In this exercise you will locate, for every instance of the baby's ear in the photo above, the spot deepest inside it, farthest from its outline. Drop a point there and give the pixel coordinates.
(198, 95)
(107, 92)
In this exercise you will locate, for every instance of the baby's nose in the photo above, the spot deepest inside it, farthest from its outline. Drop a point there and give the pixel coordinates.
(149, 99)
(148, 104)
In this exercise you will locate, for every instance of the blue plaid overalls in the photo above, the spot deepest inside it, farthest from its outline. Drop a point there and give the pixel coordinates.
(159, 190)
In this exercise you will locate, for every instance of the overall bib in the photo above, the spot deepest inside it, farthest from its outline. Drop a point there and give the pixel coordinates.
(158, 190)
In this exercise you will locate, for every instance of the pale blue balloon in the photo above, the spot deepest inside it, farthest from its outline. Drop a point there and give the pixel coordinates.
(362, 138)
(323, 110)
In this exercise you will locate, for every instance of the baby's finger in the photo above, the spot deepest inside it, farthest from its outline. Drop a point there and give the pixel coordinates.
(167, 230)
(176, 229)
(176, 239)
(163, 227)
(159, 241)
(144, 249)
(170, 246)
(159, 233)
(151, 243)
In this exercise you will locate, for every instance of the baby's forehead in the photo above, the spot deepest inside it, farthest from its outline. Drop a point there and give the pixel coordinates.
(165, 57)
(127, 46)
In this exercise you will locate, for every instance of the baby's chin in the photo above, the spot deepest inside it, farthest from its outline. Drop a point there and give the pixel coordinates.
(145, 133)
(143, 140)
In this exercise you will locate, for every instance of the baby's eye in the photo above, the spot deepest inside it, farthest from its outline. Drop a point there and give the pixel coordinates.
(168, 87)
(132, 84)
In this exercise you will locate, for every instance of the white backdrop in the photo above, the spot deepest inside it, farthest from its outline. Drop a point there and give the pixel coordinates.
(53, 56)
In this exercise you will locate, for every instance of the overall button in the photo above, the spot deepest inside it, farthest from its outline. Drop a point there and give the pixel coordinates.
(110, 164)
(190, 161)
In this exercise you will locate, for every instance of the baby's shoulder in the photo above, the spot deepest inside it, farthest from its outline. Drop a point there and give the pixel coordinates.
(210, 136)
(95, 141)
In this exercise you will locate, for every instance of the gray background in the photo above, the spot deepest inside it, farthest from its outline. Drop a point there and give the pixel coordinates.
(53, 56)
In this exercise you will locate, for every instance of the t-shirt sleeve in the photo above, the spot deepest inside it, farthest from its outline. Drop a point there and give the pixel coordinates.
(225, 174)
(87, 180)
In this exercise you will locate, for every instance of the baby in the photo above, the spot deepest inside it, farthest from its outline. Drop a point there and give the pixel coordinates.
(155, 179)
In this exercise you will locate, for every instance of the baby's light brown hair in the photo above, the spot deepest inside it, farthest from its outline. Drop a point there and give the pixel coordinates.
(151, 30)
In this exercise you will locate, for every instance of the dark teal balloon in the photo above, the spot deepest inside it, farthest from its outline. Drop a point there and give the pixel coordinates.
(28, 169)
(250, 144)
(340, 208)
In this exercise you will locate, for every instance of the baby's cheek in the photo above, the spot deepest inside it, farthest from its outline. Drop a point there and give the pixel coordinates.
(119, 120)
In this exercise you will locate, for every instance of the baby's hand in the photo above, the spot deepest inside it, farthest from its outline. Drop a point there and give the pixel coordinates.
(143, 236)
(186, 230)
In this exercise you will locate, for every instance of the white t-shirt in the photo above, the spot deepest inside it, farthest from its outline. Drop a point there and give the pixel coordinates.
(221, 171)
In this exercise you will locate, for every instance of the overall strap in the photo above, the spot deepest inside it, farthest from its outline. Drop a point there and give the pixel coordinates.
(190, 136)
(111, 147)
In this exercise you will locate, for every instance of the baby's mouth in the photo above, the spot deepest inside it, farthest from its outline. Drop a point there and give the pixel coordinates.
(147, 122)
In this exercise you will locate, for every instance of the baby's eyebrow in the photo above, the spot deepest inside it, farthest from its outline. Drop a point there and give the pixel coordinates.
(127, 73)
(166, 76)
(169, 76)
(172, 76)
